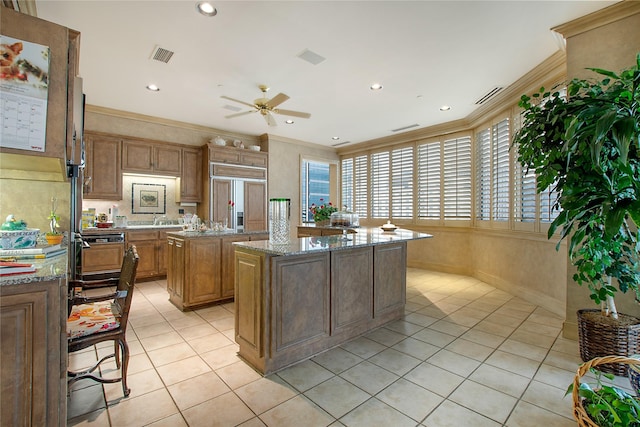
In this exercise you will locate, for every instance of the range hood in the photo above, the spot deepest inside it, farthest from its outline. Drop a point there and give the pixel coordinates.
(32, 168)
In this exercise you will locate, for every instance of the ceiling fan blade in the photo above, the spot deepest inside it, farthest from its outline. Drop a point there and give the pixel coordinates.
(239, 114)
(270, 120)
(238, 101)
(277, 100)
(293, 113)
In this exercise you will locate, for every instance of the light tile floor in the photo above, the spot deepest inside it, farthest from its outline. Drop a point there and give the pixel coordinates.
(465, 354)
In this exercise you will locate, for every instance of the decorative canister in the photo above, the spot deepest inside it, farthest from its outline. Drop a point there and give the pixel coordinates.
(279, 217)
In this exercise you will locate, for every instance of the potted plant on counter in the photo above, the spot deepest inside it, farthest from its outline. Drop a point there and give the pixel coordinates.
(53, 236)
(322, 214)
(586, 148)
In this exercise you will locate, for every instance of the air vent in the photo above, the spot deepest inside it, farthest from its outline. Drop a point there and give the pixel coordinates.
(232, 108)
(161, 54)
(341, 143)
(415, 125)
(489, 95)
(311, 57)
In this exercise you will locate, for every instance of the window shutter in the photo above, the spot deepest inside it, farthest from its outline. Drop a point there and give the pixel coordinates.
(524, 195)
(380, 185)
(500, 171)
(347, 183)
(457, 178)
(548, 199)
(429, 180)
(483, 175)
(402, 183)
(361, 171)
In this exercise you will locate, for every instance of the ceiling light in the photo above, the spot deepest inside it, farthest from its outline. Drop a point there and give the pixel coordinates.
(375, 86)
(289, 122)
(445, 108)
(153, 88)
(206, 8)
(335, 138)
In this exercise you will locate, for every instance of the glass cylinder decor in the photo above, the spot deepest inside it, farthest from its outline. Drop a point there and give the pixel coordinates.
(279, 218)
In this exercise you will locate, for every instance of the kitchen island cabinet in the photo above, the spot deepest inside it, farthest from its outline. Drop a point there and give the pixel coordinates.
(200, 266)
(33, 346)
(294, 301)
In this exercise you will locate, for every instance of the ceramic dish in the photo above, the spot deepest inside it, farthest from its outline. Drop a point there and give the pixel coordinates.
(383, 228)
(254, 147)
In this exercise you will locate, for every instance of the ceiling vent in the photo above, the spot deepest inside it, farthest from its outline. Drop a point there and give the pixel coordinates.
(161, 54)
(493, 92)
(415, 125)
(311, 57)
(341, 143)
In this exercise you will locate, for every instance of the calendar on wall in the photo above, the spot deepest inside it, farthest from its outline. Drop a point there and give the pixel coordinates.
(24, 90)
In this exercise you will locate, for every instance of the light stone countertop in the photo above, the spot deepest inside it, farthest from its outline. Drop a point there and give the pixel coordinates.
(365, 236)
(47, 269)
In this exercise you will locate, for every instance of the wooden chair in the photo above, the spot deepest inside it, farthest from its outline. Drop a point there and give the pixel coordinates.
(94, 319)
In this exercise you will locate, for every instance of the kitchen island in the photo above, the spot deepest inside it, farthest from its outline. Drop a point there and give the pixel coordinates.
(295, 300)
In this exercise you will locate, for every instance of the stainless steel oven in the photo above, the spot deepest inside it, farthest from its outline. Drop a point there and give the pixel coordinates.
(102, 253)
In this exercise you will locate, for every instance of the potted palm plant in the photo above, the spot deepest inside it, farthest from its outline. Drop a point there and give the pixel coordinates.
(586, 147)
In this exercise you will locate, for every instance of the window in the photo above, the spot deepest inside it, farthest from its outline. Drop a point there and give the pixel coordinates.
(457, 178)
(492, 172)
(429, 180)
(315, 186)
(380, 185)
(347, 184)
(361, 185)
(402, 183)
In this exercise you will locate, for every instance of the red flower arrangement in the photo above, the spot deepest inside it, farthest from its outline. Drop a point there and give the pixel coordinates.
(322, 212)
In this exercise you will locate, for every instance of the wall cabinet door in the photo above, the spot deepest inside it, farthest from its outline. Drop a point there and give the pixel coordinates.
(255, 206)
(147, 157)
(102, 176)
(191, 179)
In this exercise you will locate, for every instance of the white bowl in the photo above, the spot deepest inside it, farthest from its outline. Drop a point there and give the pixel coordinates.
(19, 239)
(218, 141)
(254, 147)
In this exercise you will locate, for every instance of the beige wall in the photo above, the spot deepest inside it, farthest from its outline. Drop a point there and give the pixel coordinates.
(612, 46)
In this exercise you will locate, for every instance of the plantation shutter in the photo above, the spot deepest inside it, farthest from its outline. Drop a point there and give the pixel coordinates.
(429, 180)
(347, 183)
(380, 185)
(524, 195)
(548, 199)
(457, 178)
(402, 182)
(483, 175)
(500, 170)
(360, 176)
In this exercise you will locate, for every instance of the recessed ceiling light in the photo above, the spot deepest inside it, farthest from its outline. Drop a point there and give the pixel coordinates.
(206, 8)
(335, 138)
(289, 122)
(445, 108)
(153, 88)
(375, 86)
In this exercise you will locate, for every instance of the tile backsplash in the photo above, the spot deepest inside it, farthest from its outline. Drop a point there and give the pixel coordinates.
(125, 206)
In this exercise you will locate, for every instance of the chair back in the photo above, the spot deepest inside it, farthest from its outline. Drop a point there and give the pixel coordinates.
(122, 302)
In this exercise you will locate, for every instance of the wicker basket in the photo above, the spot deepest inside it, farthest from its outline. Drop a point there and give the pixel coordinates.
(598, 339)
(578, 411)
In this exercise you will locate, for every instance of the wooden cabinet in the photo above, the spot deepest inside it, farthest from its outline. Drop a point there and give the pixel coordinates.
(255, 206)
(222, 194)
(238, 156)
(150, 157)
(201, 268)
(152, 249)
(191, 178)
(33, 352)
(310, 231)
(102, 258)
(102, 176)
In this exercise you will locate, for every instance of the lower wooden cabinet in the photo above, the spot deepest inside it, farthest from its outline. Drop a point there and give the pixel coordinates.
(152, 249)
(201, 268)
(33, 354)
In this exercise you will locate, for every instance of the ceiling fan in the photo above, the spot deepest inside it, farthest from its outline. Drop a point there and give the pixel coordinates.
(267, 106)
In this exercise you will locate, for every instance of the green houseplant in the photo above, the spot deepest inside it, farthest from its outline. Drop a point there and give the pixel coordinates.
(586, 147)
(322, 213)
(53, 236)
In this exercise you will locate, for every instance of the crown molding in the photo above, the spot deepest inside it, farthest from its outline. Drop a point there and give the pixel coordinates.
(602, 17)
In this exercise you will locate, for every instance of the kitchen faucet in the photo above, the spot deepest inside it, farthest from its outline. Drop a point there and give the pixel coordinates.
(161, 220)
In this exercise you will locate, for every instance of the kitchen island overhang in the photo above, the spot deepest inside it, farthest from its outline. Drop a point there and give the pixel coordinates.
(299, 299)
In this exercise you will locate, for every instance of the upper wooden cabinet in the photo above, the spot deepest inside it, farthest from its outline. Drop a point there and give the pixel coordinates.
(148, 157)
(191, 179)
(237, 156)
(102, 175)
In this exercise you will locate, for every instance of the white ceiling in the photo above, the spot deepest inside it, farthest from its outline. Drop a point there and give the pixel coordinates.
(425, 53)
